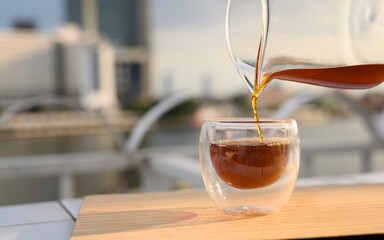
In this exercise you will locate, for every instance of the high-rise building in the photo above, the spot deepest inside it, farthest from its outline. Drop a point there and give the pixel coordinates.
(124, 23)
(83, 13)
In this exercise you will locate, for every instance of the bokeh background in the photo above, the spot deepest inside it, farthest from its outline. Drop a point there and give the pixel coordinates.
(103, 96)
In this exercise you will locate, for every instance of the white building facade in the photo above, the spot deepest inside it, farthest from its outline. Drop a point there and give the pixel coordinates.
(69, 63)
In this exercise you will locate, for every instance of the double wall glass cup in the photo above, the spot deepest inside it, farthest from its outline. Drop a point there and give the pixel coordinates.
(245, 173)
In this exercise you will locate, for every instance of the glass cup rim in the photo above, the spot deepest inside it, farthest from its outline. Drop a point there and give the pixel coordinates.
(245, 121)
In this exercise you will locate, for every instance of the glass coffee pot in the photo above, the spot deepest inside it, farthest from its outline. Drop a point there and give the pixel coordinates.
(330, 43)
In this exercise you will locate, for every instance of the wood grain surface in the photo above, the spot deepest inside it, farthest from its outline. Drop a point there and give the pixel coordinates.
(311, 212)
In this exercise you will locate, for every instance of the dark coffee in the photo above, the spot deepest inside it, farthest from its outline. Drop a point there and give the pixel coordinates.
(248, 164)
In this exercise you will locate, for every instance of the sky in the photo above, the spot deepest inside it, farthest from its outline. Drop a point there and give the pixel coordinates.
(11, 10)
(189, 47)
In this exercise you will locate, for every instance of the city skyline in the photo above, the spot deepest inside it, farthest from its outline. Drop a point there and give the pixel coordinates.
(175, 30)
(187, 42)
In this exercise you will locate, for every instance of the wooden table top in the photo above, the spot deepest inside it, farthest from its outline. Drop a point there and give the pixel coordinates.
(311, 212)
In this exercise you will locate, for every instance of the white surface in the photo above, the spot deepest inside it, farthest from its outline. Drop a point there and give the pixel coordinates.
(32, 214)
(73, 206)
(48, 231)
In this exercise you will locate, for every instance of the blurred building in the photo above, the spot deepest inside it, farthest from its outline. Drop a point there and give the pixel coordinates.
(85, 66)
(65, 63)
(26, 65)
(125, 24)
